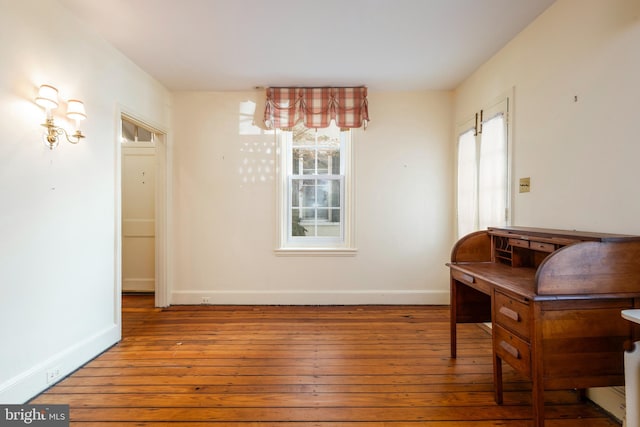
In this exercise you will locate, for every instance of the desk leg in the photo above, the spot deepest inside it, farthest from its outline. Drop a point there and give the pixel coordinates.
(537, 369)
(497, 378)
(453, 317)
(538, 404)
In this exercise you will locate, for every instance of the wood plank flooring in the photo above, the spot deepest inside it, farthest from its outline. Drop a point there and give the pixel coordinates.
(365, 366)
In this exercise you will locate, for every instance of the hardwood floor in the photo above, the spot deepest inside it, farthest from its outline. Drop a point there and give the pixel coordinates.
(365, 366)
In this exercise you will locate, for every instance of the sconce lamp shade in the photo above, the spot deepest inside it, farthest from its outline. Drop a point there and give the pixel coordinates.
(75, 110)
(47, 97)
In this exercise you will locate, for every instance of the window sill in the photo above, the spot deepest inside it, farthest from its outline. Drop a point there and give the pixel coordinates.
(316, 252)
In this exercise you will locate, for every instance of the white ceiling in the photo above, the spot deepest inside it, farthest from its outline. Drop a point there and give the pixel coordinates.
(240, 44)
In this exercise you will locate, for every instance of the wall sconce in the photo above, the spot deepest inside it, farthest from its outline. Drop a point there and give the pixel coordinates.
(48, 99)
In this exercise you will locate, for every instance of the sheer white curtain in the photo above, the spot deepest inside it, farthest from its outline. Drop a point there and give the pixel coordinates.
(467, 183)
(492, 174)
(483, 179)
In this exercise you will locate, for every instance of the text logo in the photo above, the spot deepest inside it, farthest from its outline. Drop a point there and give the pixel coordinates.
(34, 415)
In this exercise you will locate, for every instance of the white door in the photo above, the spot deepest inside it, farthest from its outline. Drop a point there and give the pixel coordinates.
(138, 218)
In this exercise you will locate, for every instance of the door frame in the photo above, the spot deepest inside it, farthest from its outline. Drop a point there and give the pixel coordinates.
(162, 202)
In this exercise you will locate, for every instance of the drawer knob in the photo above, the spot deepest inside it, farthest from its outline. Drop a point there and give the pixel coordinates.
(511, 314)
(510, 349)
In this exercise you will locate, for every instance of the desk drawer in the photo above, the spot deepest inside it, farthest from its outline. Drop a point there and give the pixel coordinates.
(543, 247)
(465, 278)
(519, 243)
(472, 281)
(512, 350)
(512, 314)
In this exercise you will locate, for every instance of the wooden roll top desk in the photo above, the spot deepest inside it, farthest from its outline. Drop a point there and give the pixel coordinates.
(554, 298)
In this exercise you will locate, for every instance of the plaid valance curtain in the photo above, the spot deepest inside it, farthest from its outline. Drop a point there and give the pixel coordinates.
(316, 107)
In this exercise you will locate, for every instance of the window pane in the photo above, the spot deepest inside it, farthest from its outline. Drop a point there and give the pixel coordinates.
(308, 215)
(492, 176)
(303, 161)
(334, 215)
(323, 215)
(323, 193)
(308, 162)
(325, 227)
(144, 135)
(296, 162)
(329, 161)
(303, 193)
(297, 229)
(128, 131)
(323, 163)
(296, 193)
(334, 193)
(335, 163)
(134, 133)
(303, 136)
(308, 193)
(329, 136)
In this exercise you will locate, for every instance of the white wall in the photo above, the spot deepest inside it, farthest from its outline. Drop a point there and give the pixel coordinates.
(582, 156)
(224, 207)
(59, 302)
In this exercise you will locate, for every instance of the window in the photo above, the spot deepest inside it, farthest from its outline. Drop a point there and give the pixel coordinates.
(483, 170)
(132, 133)
(315, 195)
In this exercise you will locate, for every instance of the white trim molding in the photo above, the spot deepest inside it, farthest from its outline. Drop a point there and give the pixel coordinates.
(26, 385)
(293, 297)
(611, 399)
(315, 252)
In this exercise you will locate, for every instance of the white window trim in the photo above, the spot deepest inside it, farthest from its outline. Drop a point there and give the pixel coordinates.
(314, 247)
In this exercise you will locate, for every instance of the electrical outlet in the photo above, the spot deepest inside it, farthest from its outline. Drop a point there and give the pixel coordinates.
(205, 300)
(53, 374)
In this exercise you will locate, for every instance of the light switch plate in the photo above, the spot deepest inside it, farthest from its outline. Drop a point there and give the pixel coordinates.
(525, 185)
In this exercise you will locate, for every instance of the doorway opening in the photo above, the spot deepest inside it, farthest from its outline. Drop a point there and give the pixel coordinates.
(143, 210)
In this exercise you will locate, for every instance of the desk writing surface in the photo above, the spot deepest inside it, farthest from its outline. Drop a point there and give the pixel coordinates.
(518, 280)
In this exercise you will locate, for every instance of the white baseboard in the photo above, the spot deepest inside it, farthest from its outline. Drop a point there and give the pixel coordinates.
(611, 399)
(310, 297)
(24, 386)
(138, 285)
